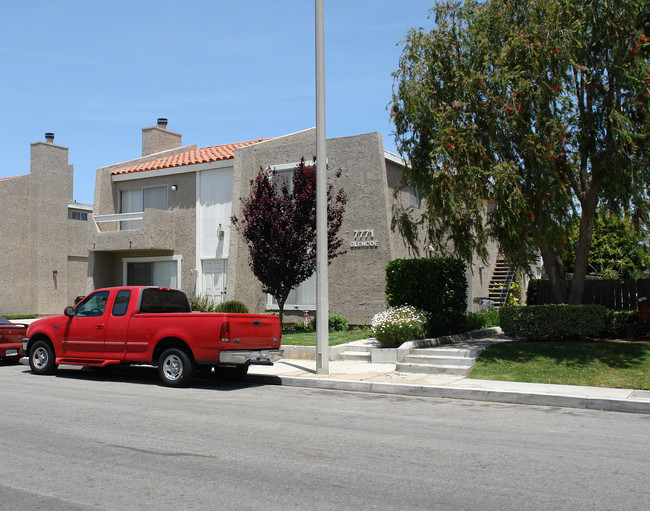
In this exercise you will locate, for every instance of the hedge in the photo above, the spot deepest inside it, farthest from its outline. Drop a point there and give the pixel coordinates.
(437, 286)
(538, 322)
(621, 323)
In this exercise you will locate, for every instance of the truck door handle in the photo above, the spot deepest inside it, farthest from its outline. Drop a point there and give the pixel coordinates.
(256, 323)
(99, 326)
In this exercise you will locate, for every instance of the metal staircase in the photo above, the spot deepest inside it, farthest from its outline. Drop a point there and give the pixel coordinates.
(499, 287)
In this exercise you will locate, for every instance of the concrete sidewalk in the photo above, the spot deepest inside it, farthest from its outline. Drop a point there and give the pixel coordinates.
(382, 378)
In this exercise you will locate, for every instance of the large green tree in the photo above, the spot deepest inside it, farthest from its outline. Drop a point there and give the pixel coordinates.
(618, 249)
(517, 117)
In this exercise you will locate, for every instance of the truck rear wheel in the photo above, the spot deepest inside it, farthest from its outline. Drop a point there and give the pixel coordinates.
(175, 368)
(42, 358)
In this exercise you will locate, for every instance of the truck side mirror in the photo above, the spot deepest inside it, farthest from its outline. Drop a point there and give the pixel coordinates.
(69, 311)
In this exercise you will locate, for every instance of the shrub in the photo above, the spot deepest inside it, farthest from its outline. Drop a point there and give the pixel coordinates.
(306, 325)
(481, 320)
(338, 323)
(397, 325)
(618, 323)
(531, 292)
(232, 306)
(537, 322)
(437, 286)
(202, 304)
(206, 304)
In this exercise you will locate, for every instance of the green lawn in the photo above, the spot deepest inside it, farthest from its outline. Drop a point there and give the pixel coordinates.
(309, 338)
(591, 363)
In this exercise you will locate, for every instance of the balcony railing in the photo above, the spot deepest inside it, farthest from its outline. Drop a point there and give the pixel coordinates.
(121, 221)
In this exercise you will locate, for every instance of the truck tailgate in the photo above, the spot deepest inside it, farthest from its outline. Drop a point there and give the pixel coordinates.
(254, 331)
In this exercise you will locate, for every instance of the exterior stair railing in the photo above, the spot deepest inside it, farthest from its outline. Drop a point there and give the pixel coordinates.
(505, 290)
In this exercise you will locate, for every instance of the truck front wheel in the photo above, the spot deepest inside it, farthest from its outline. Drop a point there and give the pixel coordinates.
(42, 358)
(175, 368)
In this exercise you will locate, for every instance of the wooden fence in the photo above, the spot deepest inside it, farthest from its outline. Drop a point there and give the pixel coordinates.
(613, 294)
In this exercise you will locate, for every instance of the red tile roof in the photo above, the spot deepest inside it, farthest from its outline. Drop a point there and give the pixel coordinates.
(199, 155)
(10, 177)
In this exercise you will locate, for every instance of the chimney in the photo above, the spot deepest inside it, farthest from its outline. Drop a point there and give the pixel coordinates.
(49, 138)
(158, 138)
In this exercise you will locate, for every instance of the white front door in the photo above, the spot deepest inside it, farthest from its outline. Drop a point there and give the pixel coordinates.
(214, 279)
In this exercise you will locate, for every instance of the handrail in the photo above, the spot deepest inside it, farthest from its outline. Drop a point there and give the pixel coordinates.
(505, 290)
(119, 217)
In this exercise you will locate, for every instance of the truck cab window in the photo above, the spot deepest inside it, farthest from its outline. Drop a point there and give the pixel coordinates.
(93, 306)
(121, 302)
(157, 300)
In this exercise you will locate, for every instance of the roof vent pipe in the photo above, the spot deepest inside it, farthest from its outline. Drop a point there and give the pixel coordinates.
(162, 123)
(49, 138)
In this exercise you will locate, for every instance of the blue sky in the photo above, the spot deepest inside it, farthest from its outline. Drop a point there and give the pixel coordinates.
(95, 73)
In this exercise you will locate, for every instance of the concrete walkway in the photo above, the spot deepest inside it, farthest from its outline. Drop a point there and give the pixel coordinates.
(359, 376)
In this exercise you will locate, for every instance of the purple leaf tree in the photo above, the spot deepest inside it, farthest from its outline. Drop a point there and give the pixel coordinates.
(278, 223)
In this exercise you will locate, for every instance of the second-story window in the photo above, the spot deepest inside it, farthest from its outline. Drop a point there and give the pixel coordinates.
(134, 201)
(155, 197)
(78, 215)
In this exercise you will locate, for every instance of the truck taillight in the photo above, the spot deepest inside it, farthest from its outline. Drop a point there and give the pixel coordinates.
(225, 332)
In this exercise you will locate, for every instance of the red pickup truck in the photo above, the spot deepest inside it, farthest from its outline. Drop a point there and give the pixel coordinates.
(152, 325)
(11, 336)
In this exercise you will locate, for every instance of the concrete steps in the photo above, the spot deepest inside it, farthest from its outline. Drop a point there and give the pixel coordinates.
(456, 360)
(359, 351)
(358, 356)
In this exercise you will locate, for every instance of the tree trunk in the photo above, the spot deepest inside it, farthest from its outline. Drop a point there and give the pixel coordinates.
(584, 245)
(281, 314)
(281, 301)
(555, 271)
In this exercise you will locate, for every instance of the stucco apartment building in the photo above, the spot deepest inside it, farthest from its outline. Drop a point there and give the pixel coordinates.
(164, 219)
(43, 235)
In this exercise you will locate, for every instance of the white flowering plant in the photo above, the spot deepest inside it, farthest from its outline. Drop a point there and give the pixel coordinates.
(397, 325)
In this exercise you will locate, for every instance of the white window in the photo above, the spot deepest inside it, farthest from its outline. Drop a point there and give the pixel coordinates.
(155, 197)
(284, 173)
(153, 271)
(301, 297)
(304, 296)
(283, 176)
(135, 201)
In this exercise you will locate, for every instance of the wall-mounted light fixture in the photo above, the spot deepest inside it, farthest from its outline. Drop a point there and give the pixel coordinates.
(174, 188)
(220, 232)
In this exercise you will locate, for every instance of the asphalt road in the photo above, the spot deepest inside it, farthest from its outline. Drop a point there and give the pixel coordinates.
(117, 440)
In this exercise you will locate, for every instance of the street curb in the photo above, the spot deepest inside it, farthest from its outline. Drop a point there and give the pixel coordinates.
(296, 352)
(475, 394)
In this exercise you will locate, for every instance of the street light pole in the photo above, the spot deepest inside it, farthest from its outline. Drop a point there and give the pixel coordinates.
(322, 299)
